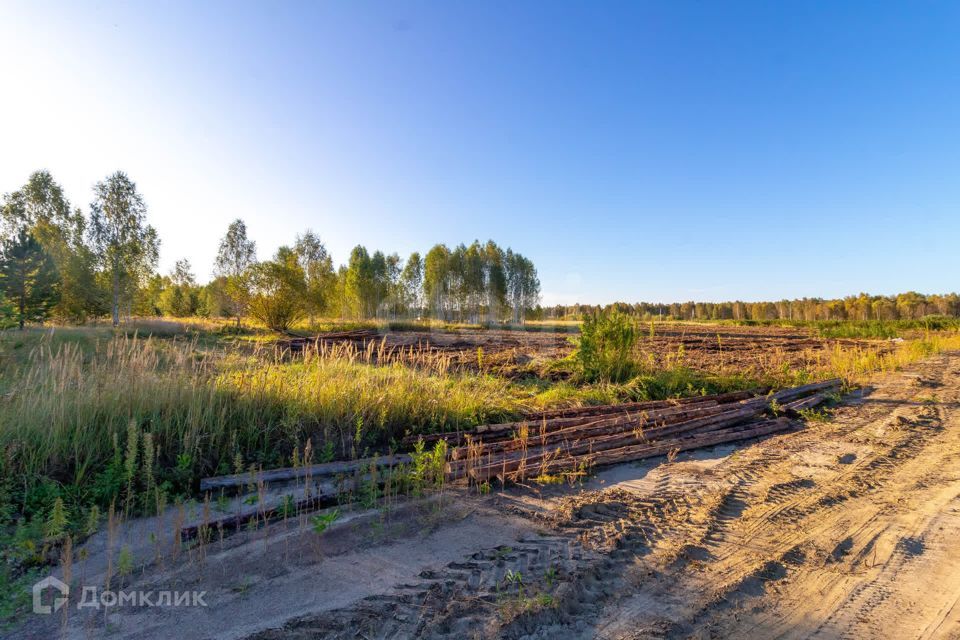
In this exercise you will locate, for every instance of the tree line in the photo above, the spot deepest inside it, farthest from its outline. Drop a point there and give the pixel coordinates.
(57, 262)
(863, 307)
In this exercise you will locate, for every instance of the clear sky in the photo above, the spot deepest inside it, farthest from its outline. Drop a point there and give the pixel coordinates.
(634, 151)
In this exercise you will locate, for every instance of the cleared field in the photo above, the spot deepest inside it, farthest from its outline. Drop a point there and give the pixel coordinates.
(711, 348)
(150, 450)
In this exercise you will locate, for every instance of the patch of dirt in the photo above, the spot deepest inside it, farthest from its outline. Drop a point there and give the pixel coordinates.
(707, 347)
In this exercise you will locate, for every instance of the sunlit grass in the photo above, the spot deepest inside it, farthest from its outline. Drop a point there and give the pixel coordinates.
(69, 395)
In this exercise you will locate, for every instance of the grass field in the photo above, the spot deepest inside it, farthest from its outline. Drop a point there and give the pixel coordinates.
(93, 416)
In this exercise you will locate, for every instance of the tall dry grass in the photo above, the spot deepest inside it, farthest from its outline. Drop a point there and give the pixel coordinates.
(855, 365)
(67, 408)
(68, 404)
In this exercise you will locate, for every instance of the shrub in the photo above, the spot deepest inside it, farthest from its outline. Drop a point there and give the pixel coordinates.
(605, 348)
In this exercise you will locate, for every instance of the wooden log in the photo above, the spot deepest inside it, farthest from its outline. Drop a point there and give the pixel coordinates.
(744, 411)
(753, 430)
(508, 462)
(574, 412)
(807, 403)
(598, 427)
(508, 430)
(665, 423)
(688, 416)
(504, 430)
(640, 452)
(288, 474)
(785, 395)
(262, 516)
(534, 456)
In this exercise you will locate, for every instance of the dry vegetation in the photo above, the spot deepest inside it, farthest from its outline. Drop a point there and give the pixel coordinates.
(97, 421)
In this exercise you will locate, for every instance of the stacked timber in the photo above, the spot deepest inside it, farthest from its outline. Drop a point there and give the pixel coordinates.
(517, 450)
(567, 441)
(357, 336)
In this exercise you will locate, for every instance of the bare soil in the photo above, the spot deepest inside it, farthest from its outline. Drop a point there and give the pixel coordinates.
(712, 348)
(849, 528)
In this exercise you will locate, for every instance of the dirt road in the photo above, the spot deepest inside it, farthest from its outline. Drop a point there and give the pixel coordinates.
(850, 528)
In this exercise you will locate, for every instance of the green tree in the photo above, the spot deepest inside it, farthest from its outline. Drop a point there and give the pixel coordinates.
(436, 280)
(6, 310)
(278, 290)
(495, 279)
(317, 267)
(148, 302)
(180, 298)
(126, 246)
(214, 301)
(235, 257)
(394, 296)
(28, 277)
(523, 286)
(360, 283)
(41, 208)
(411, 284)
(605, 349)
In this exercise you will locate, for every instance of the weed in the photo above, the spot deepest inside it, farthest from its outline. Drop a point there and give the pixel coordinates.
(816, 415)
(550, 575)
(321, 522)
(57, 521)
(125, 563)
(515, 578)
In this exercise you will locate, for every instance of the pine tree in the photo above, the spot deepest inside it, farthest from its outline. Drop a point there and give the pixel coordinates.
(28, 278)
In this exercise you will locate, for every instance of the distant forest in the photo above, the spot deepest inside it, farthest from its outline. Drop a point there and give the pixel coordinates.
(863, 307)
(59, 262)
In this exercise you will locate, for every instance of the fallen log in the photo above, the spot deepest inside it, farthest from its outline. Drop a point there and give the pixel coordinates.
(666, 422)
(597, 410)
(510, 461)
(508, 430)
(807, 403)
(288, 474)
(795, 392)
(206, 530)
(515, 459)
(600, 426)
(636, 452)
(538, 421)
(576, 434)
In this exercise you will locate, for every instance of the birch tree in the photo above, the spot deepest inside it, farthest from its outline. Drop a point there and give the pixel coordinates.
(126, 246)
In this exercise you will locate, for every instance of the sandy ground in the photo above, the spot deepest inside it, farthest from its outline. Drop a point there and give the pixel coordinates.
(850, 528)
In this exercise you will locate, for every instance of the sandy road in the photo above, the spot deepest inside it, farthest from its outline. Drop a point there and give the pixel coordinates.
(850, 528)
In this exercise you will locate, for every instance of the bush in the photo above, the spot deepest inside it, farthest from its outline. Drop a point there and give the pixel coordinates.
(279, 290)
(605, 348)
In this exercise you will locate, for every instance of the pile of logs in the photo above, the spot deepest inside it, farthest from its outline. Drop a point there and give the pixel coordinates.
(559, 442)
(565, 441)
(356, 336)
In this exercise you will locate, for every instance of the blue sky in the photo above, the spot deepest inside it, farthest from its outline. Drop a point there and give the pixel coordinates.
(634, 151)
